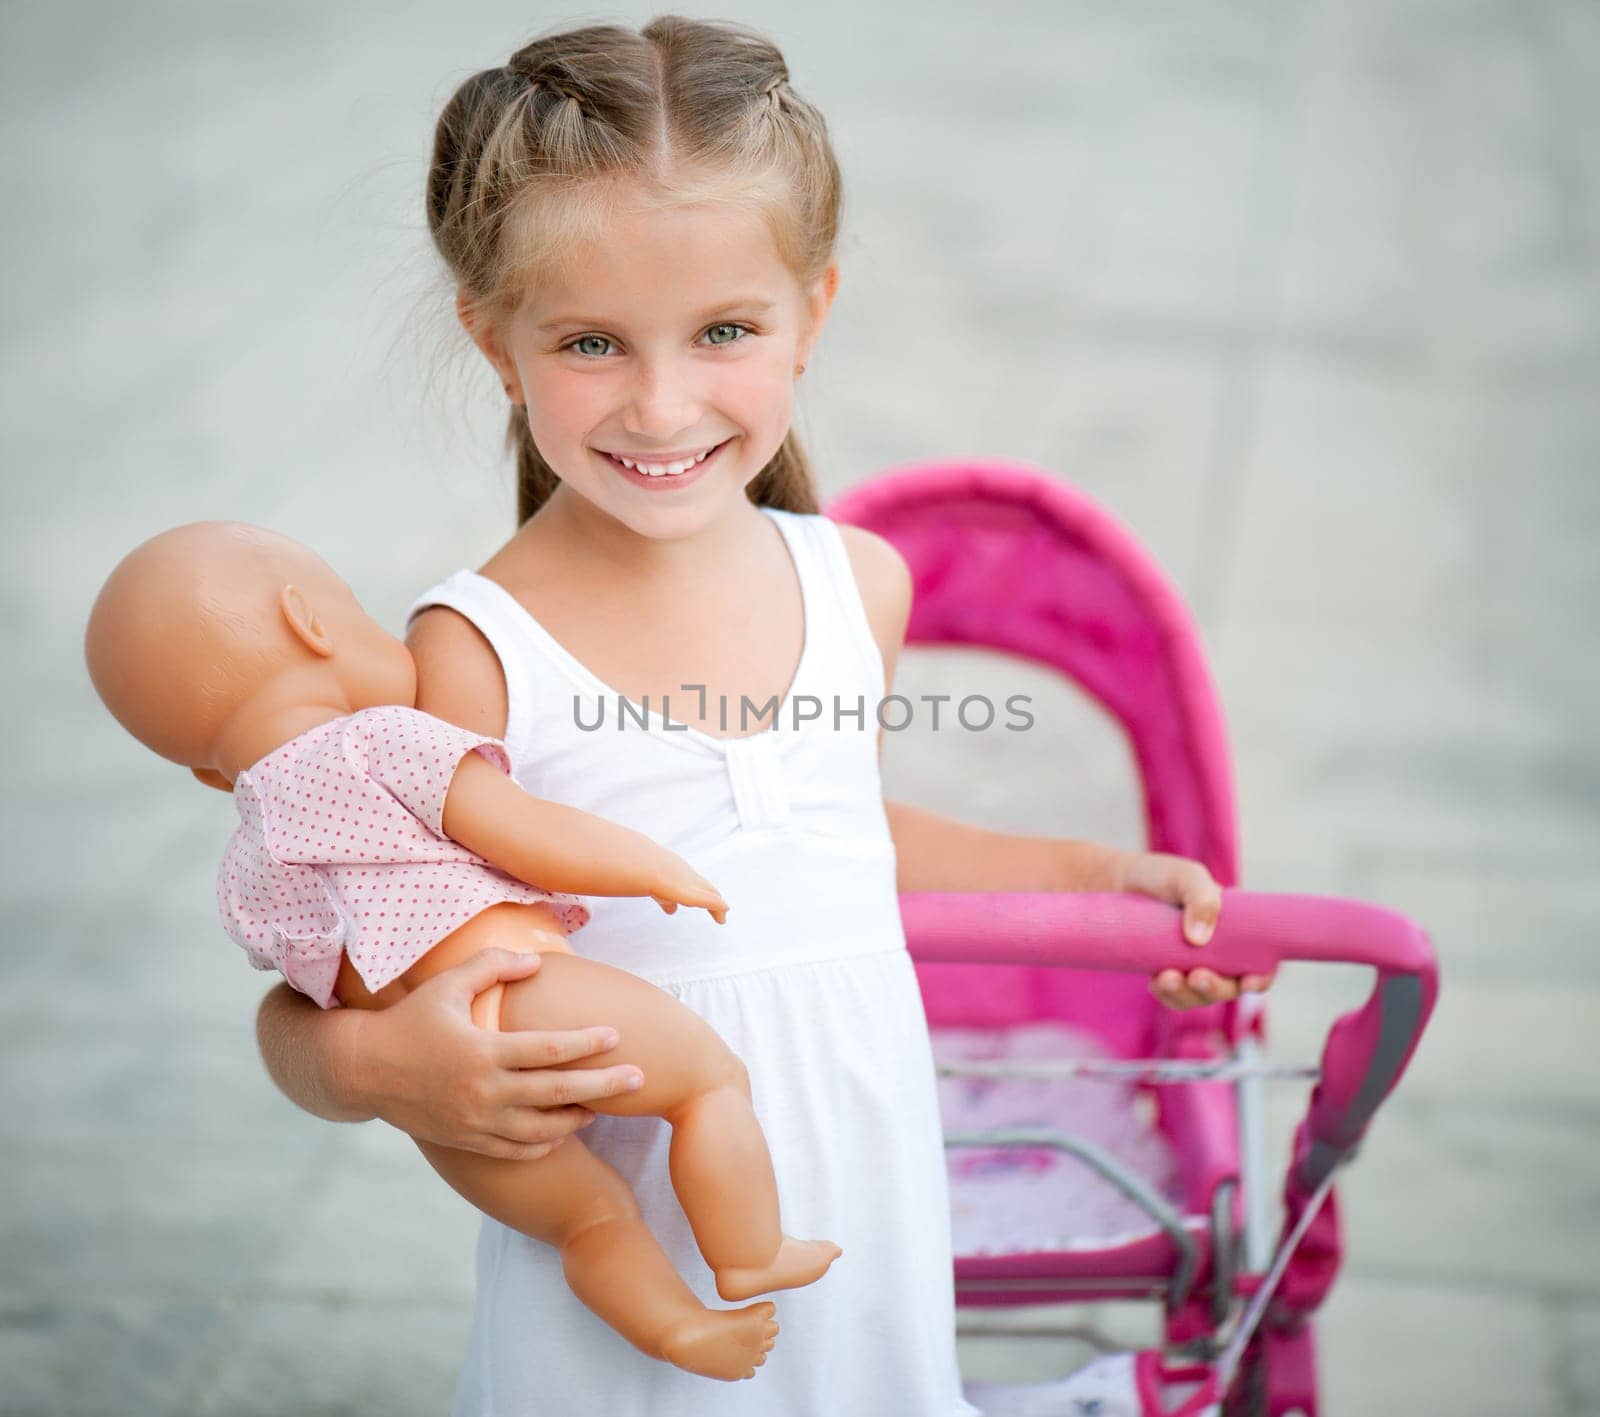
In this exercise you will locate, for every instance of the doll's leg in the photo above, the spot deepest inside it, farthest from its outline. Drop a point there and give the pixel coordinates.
(573, 1200)
(721, 1168)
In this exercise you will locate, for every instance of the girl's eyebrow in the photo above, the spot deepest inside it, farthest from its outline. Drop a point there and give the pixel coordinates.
(753, 304)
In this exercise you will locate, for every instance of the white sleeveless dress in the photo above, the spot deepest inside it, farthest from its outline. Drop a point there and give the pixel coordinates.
(809, 982)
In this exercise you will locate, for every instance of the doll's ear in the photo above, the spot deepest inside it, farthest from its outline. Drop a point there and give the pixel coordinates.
(302, 619)
(212, 778)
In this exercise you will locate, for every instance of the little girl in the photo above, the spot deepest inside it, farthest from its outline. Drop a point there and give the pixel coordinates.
(641, 230)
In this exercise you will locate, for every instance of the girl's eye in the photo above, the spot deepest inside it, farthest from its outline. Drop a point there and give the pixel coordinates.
(730, 334)
(735, 333)
(588, 339)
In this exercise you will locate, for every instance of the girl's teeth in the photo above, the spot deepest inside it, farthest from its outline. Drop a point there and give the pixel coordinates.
(671, 469)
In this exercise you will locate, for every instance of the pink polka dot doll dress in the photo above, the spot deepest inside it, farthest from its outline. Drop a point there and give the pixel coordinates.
(341, 850)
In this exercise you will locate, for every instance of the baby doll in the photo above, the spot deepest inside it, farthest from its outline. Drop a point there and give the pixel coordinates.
(378, 846)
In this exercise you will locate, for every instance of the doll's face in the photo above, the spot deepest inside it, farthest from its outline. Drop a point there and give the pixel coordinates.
(202, 622)
(677, 333)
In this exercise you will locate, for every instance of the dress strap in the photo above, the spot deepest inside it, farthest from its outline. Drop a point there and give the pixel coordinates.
(833, 582)
(497, 616)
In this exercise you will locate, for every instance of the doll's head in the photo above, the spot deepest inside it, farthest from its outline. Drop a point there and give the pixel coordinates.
(206, 636)
(640, 226)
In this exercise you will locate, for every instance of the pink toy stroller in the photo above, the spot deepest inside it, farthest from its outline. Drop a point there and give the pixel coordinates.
(1143, 1178)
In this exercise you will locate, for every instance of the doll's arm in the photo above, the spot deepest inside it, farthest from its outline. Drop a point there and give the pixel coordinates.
(558, 848)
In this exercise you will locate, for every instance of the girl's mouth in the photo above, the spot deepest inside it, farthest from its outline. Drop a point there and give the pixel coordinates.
(662, 478)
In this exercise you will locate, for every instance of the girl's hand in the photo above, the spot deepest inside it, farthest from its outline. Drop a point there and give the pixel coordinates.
(675, 882)
(1188, 884)
(426, 1068)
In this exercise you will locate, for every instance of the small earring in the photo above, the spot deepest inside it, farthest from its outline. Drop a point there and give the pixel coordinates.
(799, 370)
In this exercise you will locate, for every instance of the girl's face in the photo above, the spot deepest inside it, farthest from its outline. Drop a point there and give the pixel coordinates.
(677, 334)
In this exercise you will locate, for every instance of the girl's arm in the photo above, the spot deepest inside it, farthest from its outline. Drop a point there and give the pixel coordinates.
(315, 1064)
(423, 1066)
(936, 853)
(939, 853)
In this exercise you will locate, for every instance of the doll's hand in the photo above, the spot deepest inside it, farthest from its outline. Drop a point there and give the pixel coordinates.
(427, 1069)
(1188, 884)
(675, 882)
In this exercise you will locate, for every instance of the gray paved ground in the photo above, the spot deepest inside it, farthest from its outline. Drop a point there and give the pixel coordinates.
(1305, 290)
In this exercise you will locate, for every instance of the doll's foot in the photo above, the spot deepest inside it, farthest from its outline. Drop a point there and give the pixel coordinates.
(798, 1263)
(723, 1343)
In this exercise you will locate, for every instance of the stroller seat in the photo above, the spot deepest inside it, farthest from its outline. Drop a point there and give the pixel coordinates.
(1038, 1199)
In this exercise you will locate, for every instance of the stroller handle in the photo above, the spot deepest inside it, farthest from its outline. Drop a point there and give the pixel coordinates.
(1366, 1051)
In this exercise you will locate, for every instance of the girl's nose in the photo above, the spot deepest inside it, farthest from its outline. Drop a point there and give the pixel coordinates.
(662, 402)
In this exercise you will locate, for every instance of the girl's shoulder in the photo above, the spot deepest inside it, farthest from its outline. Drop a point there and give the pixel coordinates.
(884, 581)
(881, 571)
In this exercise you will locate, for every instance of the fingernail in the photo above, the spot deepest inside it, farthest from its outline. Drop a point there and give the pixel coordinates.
(609, 1040)
(635, 1083)
(1202, 932)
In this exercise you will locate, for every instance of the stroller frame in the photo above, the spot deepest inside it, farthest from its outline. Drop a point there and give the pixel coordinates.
(1006, 557)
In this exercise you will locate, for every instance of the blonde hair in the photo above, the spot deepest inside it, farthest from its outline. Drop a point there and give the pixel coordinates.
(530, 157)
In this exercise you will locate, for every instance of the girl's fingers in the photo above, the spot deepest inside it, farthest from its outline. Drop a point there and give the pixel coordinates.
(1202, 903)
(532, 1126)
(1197, 925)
(489, 967)
(565, 1087)
(1180, 998)
(540, 1048)
(1202, 986)
(504, 1149)
(1169, 987)
(1218, 990)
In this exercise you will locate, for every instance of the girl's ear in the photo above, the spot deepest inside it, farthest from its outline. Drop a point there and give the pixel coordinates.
(484, 336)
(818, 302)
(302, 620)
(212, 778)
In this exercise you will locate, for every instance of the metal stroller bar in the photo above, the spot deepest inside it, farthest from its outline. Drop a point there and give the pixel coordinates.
(1155, 1071)
(1130, 1184)
(1228, 1361)
(1206, 1400)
